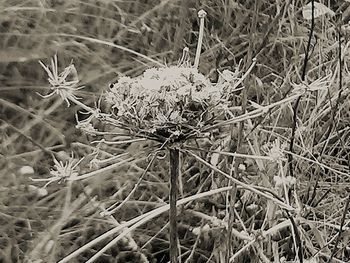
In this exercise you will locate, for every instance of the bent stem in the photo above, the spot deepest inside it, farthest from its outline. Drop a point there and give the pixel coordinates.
(174, 172)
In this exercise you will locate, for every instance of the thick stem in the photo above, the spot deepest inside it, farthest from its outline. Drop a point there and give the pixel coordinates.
(174, 172)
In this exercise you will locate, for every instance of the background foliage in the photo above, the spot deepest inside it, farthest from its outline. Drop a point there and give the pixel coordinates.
(47, 226)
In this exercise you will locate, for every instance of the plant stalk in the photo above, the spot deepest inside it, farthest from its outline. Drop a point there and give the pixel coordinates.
(174, 173)
(201, 15)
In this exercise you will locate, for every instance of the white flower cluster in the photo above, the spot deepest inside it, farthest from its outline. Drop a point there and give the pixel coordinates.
(168, 97)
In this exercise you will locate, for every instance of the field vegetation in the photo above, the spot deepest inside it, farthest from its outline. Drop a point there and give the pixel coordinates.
(263, 135)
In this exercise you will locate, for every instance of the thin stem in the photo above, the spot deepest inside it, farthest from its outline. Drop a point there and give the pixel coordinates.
(201, 15)
(296, 105)
(174, 173)
(340, 230)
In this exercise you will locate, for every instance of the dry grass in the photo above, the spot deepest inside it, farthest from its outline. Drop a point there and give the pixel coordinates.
(238, 201)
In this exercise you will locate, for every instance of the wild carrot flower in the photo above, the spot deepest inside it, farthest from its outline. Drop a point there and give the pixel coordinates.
(167, 101)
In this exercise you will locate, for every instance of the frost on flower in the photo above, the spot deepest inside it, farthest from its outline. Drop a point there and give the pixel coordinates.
(171, 98)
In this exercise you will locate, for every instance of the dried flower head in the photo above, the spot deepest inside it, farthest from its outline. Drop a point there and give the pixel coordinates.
(178, 99)
(60, 82)
(64, 171)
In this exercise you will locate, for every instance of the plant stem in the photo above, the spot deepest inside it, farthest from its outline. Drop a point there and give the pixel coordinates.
(174, 172)
(201, 15)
